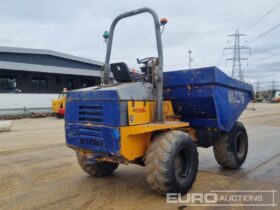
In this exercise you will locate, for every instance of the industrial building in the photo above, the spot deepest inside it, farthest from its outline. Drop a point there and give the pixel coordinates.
(31, 78)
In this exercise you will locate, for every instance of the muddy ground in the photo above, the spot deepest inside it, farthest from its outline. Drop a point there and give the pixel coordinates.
(37, 170)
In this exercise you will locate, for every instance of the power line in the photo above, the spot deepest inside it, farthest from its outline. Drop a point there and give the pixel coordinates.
(265, 82)
(262, 73)
(267, 50)
(221, 58)
(258, 86)
(265, 58)
(264, 34)
(237, 59)
(274, 84)
(260, 13)
(220, 61)
(262, 17)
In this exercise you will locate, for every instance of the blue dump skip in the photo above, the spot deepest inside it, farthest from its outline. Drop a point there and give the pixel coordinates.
(207, 97)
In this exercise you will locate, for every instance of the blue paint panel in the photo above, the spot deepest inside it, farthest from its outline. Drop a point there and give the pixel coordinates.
(230, 104)
(93, 112)
(89, 95)
(206, 97)
(195, 122)
(203, 76)
(186, 102)
(93, 138)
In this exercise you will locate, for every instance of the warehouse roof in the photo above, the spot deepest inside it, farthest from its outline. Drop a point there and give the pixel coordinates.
(41, 60)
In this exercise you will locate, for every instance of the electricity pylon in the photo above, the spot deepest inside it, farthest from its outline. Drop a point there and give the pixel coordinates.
(237, 58)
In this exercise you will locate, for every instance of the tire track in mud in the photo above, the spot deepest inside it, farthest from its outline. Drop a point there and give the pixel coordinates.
(36, 185)
(30, 149)
(259, 116)
(32, 169)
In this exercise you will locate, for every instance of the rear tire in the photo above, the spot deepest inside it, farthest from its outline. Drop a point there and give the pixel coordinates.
(96, 168)
(231, 148)
(171, 162)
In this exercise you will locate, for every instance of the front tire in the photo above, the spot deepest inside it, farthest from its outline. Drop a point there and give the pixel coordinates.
(171, 162)
(231, 148)
(96, 168)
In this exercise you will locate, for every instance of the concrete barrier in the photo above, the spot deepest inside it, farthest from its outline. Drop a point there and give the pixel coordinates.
(5, 126)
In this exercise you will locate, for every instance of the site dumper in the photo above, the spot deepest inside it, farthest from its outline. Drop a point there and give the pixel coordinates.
(156, 120)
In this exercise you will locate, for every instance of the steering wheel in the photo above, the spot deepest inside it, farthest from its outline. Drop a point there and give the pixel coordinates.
(144, 61)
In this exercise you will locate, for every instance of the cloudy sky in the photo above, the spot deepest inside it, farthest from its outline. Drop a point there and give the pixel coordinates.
(76, 27)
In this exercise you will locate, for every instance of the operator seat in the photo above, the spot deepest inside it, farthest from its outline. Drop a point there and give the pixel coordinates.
(121, 72)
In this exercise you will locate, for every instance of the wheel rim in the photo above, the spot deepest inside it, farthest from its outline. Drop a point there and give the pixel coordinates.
(240, 145)
(182, 164)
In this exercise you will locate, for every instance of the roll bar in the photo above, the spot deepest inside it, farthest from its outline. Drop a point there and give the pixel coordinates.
(159, 83)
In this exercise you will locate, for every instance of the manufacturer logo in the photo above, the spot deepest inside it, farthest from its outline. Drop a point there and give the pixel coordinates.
(139, 110)
(91, 142)
(264, 198)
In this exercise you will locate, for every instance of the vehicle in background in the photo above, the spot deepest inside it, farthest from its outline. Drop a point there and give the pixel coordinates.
(276, 98)
(58, 105)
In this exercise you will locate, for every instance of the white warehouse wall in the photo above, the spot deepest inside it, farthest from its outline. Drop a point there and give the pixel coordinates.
(24, 103)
